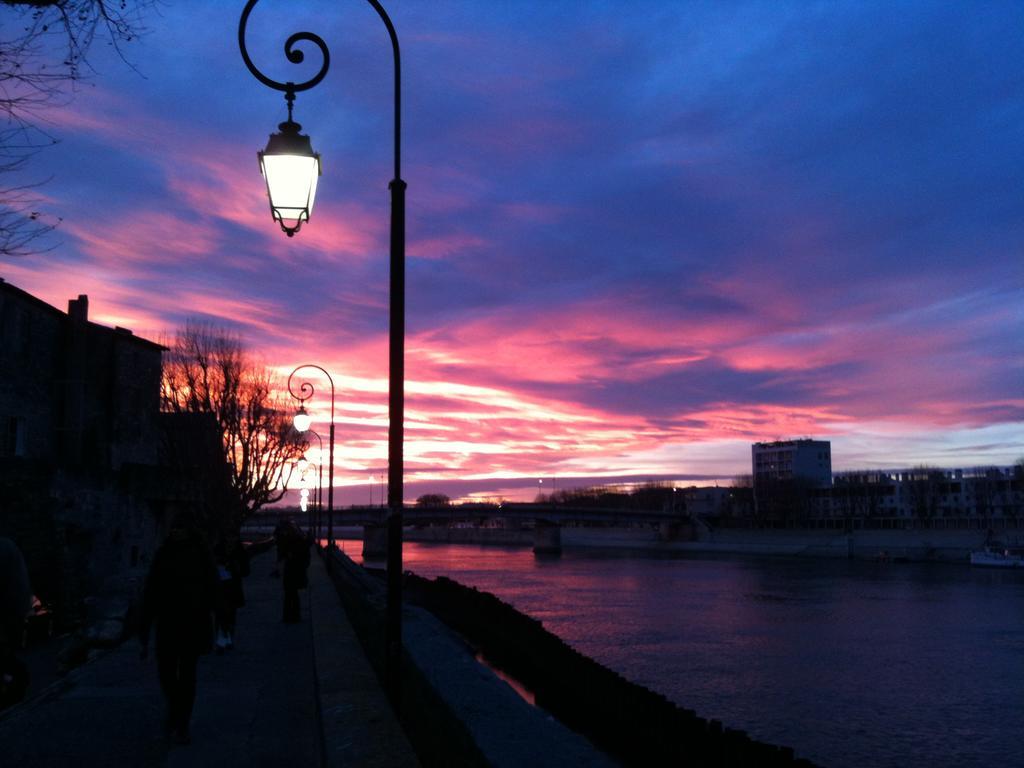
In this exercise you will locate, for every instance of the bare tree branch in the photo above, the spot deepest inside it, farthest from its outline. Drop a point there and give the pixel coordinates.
(41, 59)
(206, 370)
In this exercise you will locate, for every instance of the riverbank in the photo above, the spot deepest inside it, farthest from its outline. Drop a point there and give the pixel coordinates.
(849, 662)
(458, 711)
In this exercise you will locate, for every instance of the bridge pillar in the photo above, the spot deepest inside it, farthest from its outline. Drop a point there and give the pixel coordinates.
(375, 542)
(547, 538)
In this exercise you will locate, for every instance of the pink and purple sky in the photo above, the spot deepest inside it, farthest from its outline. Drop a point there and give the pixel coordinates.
(641, 235)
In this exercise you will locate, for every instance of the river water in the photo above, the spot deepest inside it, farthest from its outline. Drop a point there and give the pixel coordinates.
(851, 663)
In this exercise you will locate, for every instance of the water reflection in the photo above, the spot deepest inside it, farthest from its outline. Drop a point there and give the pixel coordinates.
(520, 689)
(852, 663)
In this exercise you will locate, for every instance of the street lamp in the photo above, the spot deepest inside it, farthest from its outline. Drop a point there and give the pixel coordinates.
(318, 473)
(396, 362)
(319, 505)
(290, 167)
(302, 420)
(305, 467)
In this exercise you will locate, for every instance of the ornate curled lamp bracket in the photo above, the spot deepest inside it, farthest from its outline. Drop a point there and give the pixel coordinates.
(294, 55)
(306, 388)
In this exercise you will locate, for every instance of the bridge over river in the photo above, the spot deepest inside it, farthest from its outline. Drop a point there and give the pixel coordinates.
(546, 520)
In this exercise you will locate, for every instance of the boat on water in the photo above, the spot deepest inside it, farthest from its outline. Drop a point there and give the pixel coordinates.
(998, 556)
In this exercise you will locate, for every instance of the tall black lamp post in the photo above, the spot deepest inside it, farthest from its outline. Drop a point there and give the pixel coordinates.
(291, 169)
(303, 421)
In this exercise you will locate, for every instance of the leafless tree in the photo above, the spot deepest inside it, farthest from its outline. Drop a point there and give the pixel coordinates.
(785, 500)
(925, 489)
(207, 370)
(43, 51)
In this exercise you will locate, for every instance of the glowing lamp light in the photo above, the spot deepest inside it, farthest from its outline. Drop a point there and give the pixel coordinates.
(291, 169)
(302, 420)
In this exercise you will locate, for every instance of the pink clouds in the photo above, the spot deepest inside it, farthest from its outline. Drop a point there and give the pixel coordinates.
(444, 246)
(203, 173)
(111, 302)
(753, 423)
(151, 237)
(573, 341)
(460, 430)
(718, 266)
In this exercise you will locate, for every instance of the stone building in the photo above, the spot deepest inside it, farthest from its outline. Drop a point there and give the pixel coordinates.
(72, 391)
(86, 486)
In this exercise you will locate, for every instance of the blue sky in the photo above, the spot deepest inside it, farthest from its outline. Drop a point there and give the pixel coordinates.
(641, 235)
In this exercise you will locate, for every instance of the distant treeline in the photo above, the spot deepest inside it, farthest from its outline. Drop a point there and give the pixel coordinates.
(648, 496)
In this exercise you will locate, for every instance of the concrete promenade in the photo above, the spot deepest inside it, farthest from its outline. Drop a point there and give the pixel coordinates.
(288, 694)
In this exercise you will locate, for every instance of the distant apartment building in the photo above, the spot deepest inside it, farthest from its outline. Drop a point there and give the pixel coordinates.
(792, 479)
(924, 493)
(783, 460)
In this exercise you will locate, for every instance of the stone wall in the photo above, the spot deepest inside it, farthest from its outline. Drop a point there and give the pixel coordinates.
(455, 711)
(83, 536)
(633, 724)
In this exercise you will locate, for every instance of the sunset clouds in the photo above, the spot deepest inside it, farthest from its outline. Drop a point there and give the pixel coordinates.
(639, 237)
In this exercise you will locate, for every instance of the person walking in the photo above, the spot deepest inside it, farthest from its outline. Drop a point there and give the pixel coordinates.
(232, 567)
(293, 574)
(282, 531)
(179, 599)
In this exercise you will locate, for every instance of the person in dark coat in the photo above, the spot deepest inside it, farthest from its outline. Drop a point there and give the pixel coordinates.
(232, 567)
(293, 573)
(282, 531)
(179, 599)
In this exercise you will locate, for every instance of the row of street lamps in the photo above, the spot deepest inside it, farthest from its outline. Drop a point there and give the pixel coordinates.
(303, 421)
(291, 169)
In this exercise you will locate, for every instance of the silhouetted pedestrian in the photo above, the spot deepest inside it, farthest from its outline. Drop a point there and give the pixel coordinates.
(282, 531)
(15, 603)
(179, 598)
(294, 573)
(232, 567)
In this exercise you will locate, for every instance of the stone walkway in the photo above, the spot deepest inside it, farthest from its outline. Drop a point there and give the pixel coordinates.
(256, 705)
